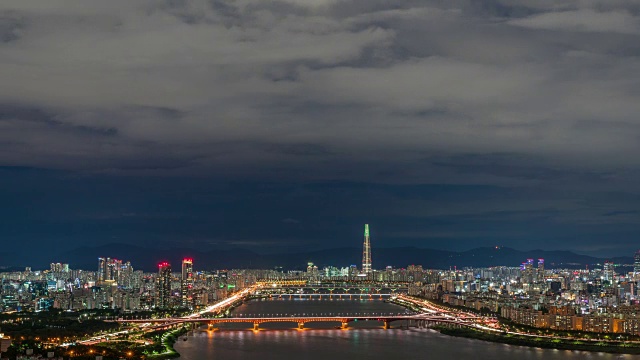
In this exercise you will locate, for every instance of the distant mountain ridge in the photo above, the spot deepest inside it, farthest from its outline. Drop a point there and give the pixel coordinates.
(147, 259)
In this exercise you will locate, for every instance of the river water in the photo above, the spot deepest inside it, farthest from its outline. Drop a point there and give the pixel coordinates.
(363, 340)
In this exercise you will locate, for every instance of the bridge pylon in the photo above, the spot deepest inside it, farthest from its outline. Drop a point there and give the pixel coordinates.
(256, 326)
(386, 324)
(345, 324)
(301, 325)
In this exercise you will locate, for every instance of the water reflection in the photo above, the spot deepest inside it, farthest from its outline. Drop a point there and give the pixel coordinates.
(364, 340)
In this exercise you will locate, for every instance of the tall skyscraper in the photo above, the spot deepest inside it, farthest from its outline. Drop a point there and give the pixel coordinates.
(115, 266)
(366, 252)
(102, 264)
(636, 264)
(125, 277)
(608, 272)
(541, 276)
(528, 276)
(186, 288)
(163, 289)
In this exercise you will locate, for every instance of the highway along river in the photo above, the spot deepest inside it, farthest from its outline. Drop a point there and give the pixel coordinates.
(362, 340)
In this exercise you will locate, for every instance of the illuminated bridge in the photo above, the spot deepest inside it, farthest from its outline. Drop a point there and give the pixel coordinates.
(331, 291)
(330, 296)
(421, 320)
(306, 283)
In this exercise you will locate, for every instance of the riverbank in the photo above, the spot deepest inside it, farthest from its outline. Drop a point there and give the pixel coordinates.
(541, 342)
(376, 344)
(170, 337)
(167, 340)
(614, 347)
(531, 340)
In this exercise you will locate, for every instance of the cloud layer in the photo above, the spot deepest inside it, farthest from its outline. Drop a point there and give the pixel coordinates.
(535, 95)
(210, 84)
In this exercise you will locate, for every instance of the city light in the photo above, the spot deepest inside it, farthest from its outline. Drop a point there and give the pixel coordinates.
(533, 301)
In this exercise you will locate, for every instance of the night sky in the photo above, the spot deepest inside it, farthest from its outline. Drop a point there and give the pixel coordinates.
(285, 125)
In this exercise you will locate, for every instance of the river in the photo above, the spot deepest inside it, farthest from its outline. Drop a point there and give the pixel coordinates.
(363, 340)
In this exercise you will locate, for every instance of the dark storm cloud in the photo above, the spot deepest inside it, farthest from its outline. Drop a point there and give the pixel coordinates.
(527, 109)
(10, 27)
(521, 77)
(18, 116)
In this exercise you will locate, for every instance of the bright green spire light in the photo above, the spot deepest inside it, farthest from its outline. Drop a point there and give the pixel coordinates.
(366, 229)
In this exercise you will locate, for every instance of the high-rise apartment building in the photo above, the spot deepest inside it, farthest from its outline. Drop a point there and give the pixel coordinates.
(59, 267)
(186, 284)
(163, 287)
(528, 272)
(608, 272)
(108, 271)
(125, 275)
(541, 276)
(101, 266)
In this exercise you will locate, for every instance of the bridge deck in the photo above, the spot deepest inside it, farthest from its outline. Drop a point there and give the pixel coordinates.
(327, 294)
(345, 318)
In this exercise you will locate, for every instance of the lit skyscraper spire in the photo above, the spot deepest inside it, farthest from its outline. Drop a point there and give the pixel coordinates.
(366, 252)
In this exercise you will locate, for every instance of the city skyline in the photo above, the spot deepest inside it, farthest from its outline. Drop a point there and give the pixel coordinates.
(397, 257)
(111, 270)
(596, 303)
(563, 306)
